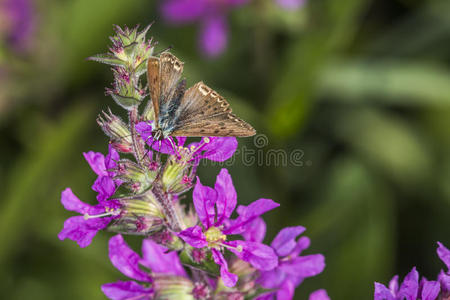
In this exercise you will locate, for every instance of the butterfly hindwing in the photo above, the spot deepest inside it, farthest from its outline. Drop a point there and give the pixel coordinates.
(171, 69)
(224, 124)
(203, 112)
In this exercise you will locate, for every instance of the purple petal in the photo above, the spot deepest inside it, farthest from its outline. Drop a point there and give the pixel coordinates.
(444, 254)
(97, 162)
(260, 256)
(213, 35)
(204, 199)
(228, 278)
(304, 266)
(123, 290)
(444, 279)
(249, 213)
(255, 230)
(286, 291)
(72, 203)
(290, 4)
(226, 196)
(271, 279)
(430, 289)
(144, 129)
(181, 11)
(284, 243)
(105, 187)
(194, 236)
(166, 146)
(319, 295)
(18, 22)
(111, 159)
(219, 148)
(410, 286)
(158, 260)
(82, 231)
(125, 259)
(382, 292)
(302, 244)
(393, 285)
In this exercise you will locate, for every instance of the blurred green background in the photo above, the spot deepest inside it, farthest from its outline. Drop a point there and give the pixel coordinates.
(361, 87)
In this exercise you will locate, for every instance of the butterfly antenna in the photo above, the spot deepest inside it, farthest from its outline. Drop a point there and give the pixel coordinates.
(164, 50)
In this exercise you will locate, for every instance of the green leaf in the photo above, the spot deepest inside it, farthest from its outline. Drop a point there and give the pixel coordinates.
(126, 102)
(107, 59)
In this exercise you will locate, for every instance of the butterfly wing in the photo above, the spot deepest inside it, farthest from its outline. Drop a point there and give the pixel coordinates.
(163, 74)
(154, 84)
(203, 112)
(171, 69)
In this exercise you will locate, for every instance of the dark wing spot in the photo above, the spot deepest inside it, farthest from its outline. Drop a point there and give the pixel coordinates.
(221, 124)
(216, 131)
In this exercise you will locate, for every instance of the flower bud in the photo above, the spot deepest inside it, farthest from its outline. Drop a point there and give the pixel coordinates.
(117, 130)
(173, 287)
(140, 214)
(136, 178)
(175, 178)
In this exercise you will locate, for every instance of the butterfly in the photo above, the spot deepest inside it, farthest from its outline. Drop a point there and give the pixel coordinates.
(198, 111)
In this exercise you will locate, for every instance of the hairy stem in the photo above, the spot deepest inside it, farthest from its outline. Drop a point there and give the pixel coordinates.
(167, 206)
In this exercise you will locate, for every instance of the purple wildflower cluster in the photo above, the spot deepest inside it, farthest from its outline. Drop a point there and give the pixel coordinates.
(414, 289)
(213, 251)
(17, 20)
(212, 17)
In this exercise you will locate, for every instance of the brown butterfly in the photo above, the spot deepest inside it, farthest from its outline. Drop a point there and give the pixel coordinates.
(197, 111)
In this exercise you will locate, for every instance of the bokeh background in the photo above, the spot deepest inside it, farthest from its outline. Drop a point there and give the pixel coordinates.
(360, 87)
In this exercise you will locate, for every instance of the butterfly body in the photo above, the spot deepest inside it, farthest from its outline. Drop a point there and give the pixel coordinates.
(196, 112)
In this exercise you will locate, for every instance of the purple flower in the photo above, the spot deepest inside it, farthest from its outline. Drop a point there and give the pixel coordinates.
(410, 289)
(292, 268)
(18, 19)
(211, 148)
(82, 229)
(214, 208)
(155, 257)
(103, 166)
(319, 295)
(444, 277)
(210, 14)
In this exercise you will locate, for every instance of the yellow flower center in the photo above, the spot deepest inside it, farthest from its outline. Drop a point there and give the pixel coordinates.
(214, 236)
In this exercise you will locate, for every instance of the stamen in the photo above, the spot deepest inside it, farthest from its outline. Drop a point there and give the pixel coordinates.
(238, 248)
(201, 145)
(108, 212)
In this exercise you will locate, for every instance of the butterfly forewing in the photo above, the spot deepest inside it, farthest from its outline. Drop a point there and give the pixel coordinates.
(154, 83)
